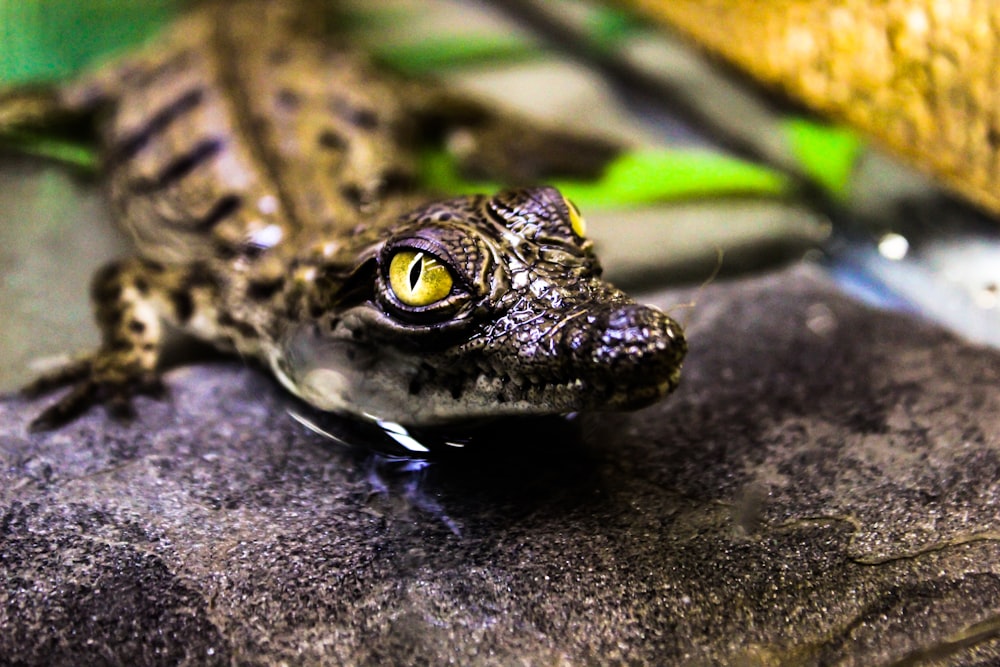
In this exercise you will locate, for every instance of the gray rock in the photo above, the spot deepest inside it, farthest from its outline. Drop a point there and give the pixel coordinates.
(822, 489)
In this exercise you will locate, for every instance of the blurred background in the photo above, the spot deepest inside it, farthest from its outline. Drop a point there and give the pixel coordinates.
(725, 177)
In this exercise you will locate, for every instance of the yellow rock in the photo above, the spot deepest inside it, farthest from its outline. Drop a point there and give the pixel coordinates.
(921, 77)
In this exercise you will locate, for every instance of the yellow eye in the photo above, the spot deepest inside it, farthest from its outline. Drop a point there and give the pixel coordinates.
(576, 220)
(417, 278)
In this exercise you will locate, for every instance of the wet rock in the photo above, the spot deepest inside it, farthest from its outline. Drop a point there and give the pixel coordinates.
(822, 489)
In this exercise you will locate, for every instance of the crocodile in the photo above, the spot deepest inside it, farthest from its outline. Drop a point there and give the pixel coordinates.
(267, 174)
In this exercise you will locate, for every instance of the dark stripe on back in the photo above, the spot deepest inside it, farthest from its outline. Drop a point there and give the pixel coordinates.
(180, 167)
(129, 146)
(222, 209)
(146, 75)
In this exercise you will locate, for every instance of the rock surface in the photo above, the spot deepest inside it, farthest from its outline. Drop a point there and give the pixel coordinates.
(822, 489)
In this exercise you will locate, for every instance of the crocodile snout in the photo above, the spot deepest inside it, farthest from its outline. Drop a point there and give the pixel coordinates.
(629, 354)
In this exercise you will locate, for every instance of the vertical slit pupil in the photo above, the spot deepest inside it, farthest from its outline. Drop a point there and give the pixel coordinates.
(416, 268)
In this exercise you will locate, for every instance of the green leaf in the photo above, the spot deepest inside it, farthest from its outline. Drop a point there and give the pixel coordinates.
(648, 176)
(76, 154)
(608, 29)
(827, 154)
(43, 40)
(450, 52)
(636, 177)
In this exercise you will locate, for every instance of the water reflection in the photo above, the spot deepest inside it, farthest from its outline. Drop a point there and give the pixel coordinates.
(467, 478)
(517, 462)
(417, 447)
(933, 255)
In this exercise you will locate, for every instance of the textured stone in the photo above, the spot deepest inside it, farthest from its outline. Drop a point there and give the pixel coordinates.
(823, 489)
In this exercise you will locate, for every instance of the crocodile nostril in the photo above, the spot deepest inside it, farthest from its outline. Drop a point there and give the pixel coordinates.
(639, 324)
(639, 339)
(632, 322)
(625, 342)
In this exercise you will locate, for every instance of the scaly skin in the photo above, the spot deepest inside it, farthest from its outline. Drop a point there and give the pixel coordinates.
(920, 76)
(267, 176)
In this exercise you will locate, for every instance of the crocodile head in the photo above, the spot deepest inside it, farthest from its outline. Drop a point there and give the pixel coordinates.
(478, 307)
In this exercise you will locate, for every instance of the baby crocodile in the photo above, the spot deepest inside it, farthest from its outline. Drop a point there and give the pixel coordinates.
(267, 174)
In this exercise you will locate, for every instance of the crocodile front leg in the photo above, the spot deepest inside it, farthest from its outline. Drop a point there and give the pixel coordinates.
(132, 298)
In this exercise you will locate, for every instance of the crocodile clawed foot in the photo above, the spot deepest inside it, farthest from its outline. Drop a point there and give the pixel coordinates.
(103, 378)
